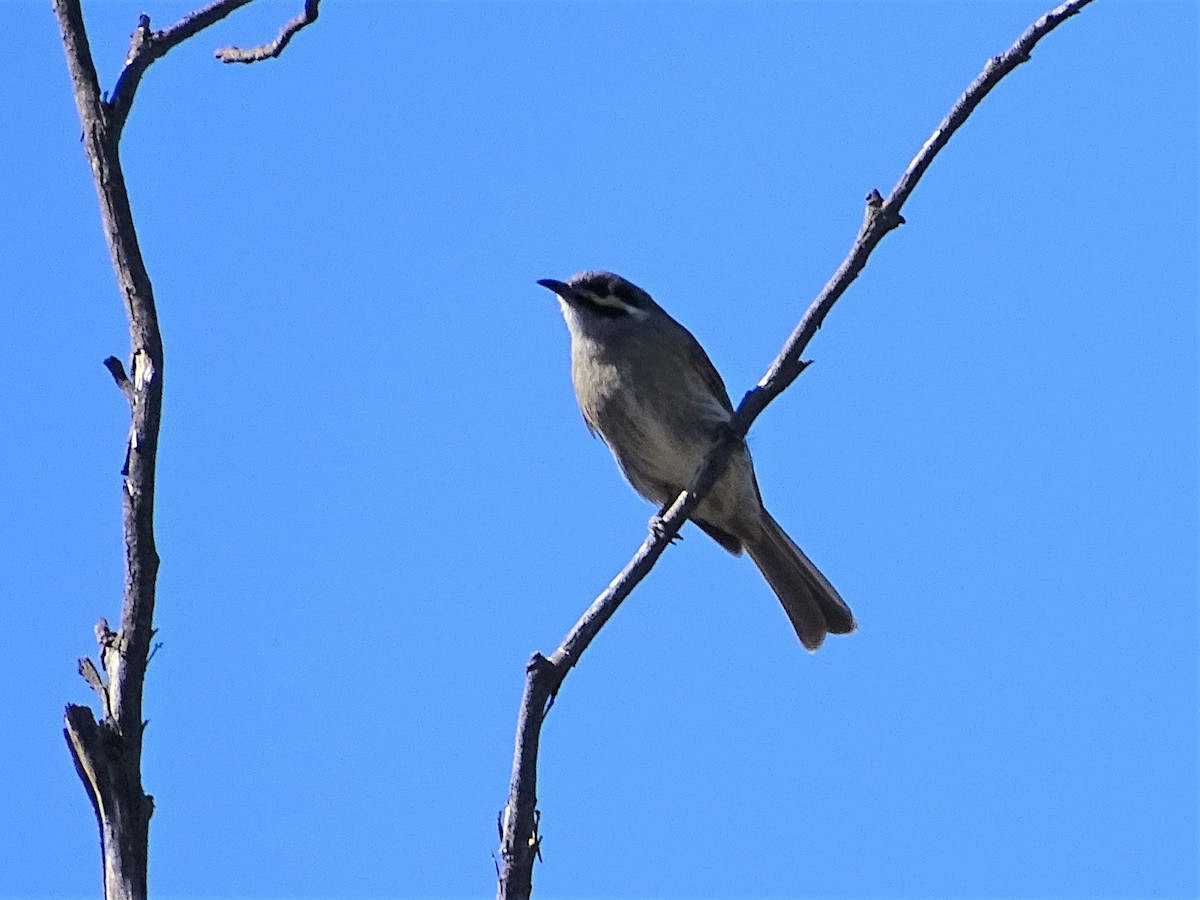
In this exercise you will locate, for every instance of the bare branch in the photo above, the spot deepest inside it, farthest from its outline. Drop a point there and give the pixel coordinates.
(146, 46)
(520, 840)
(108, 754)
(883, 217)
(275, 47)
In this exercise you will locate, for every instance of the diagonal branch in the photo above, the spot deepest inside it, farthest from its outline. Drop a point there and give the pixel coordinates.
(544, 676)
(275, 47)
(146, 46)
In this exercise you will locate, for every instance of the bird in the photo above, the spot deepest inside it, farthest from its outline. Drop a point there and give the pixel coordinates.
(646, 387)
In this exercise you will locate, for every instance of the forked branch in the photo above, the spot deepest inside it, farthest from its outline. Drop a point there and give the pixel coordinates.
(107, 754)
(146, 46)
(519, 838)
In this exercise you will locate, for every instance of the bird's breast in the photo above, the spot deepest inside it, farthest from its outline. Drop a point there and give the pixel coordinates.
(658, 426)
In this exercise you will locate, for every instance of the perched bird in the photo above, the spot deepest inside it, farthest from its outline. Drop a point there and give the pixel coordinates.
(647, 387)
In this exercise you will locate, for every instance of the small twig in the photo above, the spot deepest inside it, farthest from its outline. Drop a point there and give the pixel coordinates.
(520, 842)
(91, 675)
(117, 369)
(275, 47)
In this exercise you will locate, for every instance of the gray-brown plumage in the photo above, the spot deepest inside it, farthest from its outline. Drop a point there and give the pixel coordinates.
(647, 387)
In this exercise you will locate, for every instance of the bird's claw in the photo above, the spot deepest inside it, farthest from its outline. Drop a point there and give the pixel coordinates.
(657, 530)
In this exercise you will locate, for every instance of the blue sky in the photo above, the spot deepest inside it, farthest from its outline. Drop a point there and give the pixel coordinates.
(377, 498)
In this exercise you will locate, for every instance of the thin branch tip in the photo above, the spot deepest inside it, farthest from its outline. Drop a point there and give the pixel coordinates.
(272, 49)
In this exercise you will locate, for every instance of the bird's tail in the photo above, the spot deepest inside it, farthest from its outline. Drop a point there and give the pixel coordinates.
(808, 598)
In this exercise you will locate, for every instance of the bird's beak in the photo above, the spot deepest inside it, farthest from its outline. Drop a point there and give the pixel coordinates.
(556, 286)
(563, 290)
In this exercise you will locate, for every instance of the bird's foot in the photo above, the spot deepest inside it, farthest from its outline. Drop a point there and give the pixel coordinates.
(657, 530)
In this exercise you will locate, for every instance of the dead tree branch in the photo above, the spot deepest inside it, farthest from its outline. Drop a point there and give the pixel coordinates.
(107, 754)
(146, 46)
(520, 841)
(275, 47)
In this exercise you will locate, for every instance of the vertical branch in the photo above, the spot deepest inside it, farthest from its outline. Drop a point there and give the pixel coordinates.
(108, 753)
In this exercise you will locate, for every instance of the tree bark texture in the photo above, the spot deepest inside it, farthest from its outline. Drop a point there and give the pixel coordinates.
(108, 753)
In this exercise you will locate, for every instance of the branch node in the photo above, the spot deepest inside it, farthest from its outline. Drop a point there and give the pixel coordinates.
(880, 215)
